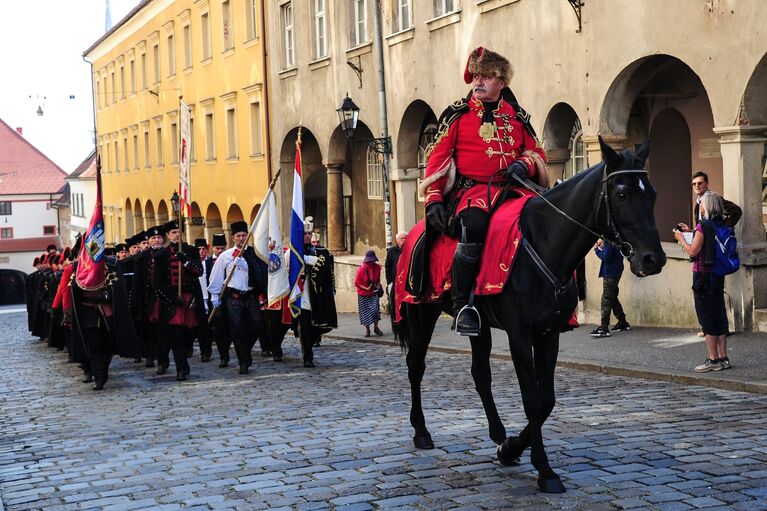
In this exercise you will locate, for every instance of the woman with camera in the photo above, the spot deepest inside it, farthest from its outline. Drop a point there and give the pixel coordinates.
(369, 293)
(708, 288)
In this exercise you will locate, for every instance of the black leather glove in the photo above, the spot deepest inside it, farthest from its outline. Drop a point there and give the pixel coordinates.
(182, 257)
(518, 169)
(103, 296)
(436, 216)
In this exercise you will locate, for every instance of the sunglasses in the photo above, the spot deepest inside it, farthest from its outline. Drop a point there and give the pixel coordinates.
(698, 184)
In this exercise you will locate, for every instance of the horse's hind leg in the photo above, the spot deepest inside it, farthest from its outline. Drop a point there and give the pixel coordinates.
(480, 371)
(420, 321)
(536, 382)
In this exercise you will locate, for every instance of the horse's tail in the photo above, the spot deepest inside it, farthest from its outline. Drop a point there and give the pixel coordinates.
(400, 329)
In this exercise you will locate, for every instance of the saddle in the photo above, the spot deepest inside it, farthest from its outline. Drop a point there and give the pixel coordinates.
(424, 268)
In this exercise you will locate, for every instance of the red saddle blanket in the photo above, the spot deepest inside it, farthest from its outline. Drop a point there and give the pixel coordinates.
(501, 244)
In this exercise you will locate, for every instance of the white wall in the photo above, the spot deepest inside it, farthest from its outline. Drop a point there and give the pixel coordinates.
(86, 187)
(29, 214)
(21, 261)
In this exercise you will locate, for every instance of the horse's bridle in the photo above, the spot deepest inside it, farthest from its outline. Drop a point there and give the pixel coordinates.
(615, 238)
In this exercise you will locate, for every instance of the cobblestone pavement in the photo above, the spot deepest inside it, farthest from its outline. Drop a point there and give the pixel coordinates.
(338, 437)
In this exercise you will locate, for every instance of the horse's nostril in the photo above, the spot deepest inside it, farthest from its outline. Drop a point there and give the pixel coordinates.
(649, 261)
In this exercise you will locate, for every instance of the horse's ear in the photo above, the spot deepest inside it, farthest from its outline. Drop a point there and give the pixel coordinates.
(609, 156)
(643, 152)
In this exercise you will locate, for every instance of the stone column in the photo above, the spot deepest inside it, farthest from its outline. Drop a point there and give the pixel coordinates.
(406, 190)
(742, 150)
(594, 152)
(556, 159)
(335, 207)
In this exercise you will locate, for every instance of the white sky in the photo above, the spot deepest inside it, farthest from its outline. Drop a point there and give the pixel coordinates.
(41, 47)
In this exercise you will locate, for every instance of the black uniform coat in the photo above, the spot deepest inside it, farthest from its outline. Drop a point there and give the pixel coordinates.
(167, 293)
(322, 286)
(142, 295)
(124, 341)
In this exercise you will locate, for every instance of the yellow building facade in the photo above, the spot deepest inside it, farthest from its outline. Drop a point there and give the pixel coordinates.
(208, 53)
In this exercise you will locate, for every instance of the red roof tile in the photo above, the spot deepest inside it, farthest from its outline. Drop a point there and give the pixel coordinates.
(28, 244)
(23, 168)
(87, 169)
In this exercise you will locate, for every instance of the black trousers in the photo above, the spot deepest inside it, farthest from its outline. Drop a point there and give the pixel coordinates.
(145, 331)
(98, 342)
(476, 223)
(176, 339)
(246, 323)
(309, 334)
(204, 337)
(275, 330)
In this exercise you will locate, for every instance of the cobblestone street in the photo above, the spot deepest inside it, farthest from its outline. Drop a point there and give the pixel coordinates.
(338, 437)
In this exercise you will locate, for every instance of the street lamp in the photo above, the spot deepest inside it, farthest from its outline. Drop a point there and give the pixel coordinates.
(175, 202)
(348, 115)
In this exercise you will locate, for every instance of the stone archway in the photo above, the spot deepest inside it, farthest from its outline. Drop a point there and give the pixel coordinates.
(213, 223)
(563, 142)
(130, 228)
(417, 129)
(149, 218)
(636, 102)
(195, 224)
(138, 218)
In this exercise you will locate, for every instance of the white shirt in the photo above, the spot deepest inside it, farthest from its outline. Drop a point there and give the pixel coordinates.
(223, 266)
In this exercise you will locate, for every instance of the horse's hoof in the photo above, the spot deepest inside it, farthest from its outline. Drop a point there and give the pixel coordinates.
(423, 441)
(551, 485)
(506, 460)
(510, 451)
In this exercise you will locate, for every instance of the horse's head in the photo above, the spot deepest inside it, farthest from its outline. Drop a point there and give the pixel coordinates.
(628, 211)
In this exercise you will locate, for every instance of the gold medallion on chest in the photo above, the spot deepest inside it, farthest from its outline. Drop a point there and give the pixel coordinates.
(487, 131)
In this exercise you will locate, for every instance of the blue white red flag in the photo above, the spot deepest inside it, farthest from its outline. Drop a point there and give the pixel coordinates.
(92, 268)
(296, 265)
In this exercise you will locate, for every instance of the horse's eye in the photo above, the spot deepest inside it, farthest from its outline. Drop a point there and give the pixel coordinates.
(622, 196)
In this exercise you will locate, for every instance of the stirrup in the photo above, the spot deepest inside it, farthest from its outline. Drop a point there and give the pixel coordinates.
(468, 309)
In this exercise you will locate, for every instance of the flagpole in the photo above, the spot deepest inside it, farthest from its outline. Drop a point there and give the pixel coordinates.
(247, 239)
(180, 214)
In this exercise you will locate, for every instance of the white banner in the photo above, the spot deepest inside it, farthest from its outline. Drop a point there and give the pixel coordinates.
(185, 176)
(267, 241)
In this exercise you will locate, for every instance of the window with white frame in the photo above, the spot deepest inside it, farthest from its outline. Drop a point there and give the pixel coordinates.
(288, 57)
(173, 142)
(231, 133)
(6, 208)
(156, 62)
(126, 163)
(192, 153)
(132, 76)
(135, 151)
(187, 46)
(320, 30)
(256, 143)
(6, 233)
(205, 33)
(114, 97)
(250, 19)
(147, 155)
(444, 6)
(402, 15)
(143, 71)
(577, 161)
(425, 141)
(160, 159)
(210, 137)
(360, 20)
(171, 56)
(226, 10)
(374, 174)
(98, 94)
(122, 82)
(116, 166)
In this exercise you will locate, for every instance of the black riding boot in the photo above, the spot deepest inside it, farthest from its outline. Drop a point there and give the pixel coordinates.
(466, 262)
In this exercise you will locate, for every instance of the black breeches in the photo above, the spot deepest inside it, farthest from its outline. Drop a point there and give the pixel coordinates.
(276, 330)
(174, 339)
(245, 324)
(476, 223)
(98, 342)
(309, 335)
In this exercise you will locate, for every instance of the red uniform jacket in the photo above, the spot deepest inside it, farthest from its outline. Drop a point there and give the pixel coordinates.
(460, 148)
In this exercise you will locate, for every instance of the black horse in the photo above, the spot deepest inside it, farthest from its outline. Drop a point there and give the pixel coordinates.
(612, 200)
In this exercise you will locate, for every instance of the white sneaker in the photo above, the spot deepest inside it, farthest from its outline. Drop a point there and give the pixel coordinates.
(708, 365)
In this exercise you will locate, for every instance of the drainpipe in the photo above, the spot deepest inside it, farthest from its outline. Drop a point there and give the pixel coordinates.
(381, 82)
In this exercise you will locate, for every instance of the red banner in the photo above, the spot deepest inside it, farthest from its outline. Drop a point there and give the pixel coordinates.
(91, 268)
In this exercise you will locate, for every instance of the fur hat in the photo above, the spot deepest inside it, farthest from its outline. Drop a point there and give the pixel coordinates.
(239, 226)
(157, 230)
(219, 240)
(36, 261)
(121, 246)
(487, 63)
(308, 224)
(201, 242)
(169, 226)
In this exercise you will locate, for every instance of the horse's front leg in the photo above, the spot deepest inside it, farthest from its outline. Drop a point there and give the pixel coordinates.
(420, 321)
(480, 371)
(536, 383)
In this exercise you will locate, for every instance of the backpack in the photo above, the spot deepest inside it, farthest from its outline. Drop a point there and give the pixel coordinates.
(726, 260)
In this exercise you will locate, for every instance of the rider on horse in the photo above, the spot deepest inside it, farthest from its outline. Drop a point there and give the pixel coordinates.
(472, 163)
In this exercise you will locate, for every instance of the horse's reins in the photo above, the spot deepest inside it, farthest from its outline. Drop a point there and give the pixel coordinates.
(616, 241)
